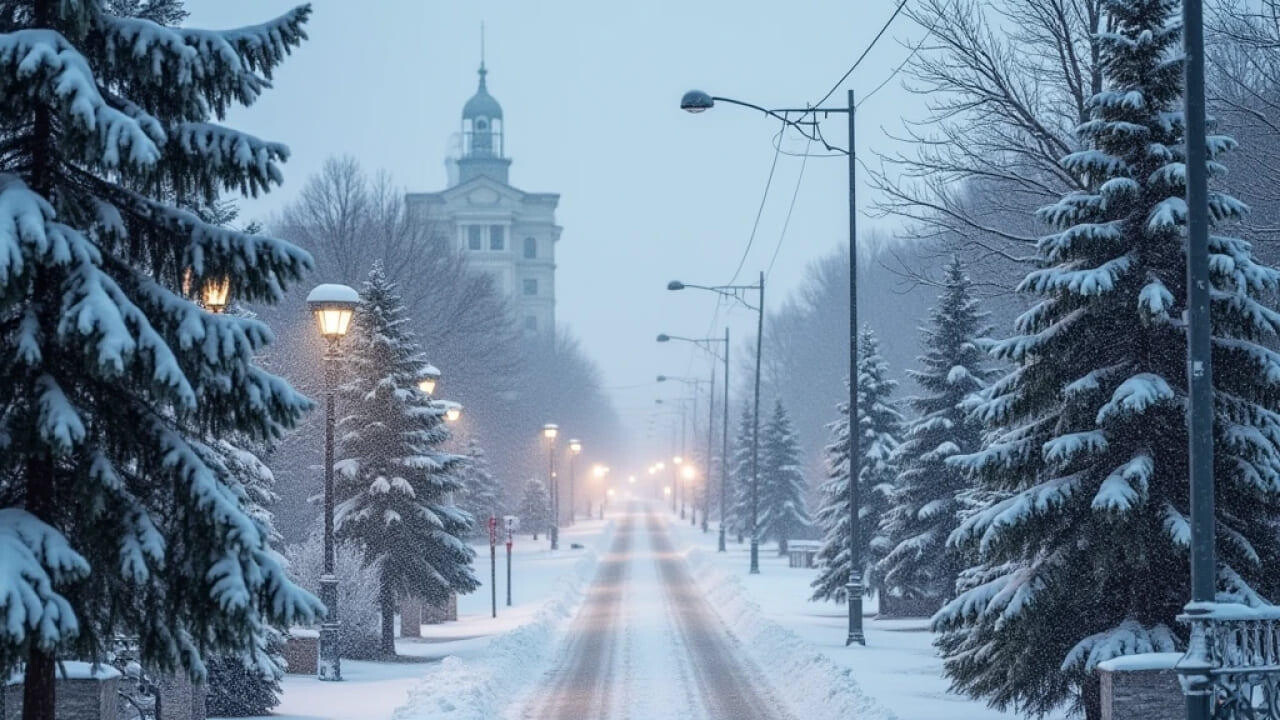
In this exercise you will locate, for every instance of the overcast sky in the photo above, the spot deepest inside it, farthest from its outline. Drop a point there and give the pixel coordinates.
(590, 94)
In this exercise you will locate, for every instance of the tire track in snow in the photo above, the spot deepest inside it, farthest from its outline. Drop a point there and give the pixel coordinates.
(582, 682)
(731, 686)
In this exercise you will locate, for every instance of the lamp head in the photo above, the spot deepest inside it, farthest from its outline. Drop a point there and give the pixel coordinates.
(662, 378)
(550, 430)
(430, 375)
(333, 305)
(696, 101)
(575, 446)
(452, 411)
(675, 285)
(215, 294)
(663, 337)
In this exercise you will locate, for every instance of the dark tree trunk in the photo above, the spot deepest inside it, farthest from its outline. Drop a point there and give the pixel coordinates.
(1091, 698)
(38, 686)
(387, 599)
(38, 692)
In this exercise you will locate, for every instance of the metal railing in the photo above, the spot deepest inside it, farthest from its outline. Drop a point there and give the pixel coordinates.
(1234, 656)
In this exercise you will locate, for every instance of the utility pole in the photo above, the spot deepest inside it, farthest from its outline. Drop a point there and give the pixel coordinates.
(493, 563)
(1199, 366)
(510, 540)
(854, 589)
(755, 440)
(724, 453)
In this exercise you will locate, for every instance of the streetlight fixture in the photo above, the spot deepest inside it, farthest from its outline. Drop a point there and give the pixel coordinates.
(738, 293)
(550, 431)
(332, 305)
(452, 412)
(804, 121)
(598, 471)
(429, 377)
(216, 294)
(575, 449)
(707, 345)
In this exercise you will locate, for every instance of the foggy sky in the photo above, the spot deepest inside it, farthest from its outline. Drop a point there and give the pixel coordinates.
(589, 92)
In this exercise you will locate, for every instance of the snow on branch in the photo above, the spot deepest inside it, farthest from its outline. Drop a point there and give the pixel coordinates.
(43, 61)
(33, 558)
(1130, 637)
(1134, 396)
(238, 160)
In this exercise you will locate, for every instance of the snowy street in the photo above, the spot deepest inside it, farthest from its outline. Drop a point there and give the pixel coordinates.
(646, 643)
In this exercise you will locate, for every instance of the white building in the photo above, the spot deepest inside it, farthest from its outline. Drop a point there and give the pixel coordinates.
(509, 233)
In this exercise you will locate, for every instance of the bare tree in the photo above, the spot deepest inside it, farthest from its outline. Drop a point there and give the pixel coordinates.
(1007, 82)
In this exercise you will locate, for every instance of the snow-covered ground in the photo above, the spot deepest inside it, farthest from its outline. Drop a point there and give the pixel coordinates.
(771, 613)
(544, 588)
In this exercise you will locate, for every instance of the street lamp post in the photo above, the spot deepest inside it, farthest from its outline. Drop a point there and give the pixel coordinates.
(332, 305)
(696, 383)
(1199, 366)
(804, 120)
(549, 431)
(705, 344)
(736, 292)
(575, 449)
(428, 379)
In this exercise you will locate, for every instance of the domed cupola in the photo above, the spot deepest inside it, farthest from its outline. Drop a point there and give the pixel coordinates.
(483, 152)
(482, 122)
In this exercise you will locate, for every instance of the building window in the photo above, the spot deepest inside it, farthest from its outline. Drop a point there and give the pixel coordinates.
(497, 237)
(531, 323)
(530, 286)
(530, 248)
(475, 237)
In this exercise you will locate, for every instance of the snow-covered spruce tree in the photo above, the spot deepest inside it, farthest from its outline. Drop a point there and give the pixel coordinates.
(880, 426)
(481, 494)
(1085, 558)
(120, 514)
(918, 565)
(394, 481)
(535, 507)
(360, 632)
(783, 513)
(740, 476)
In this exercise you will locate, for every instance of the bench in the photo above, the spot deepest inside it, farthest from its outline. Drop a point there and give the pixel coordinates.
(803, 553)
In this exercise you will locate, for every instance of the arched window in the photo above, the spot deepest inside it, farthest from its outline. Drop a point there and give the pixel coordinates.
(530, 248)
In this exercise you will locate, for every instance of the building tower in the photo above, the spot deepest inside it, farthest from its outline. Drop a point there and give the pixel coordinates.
(505, 232)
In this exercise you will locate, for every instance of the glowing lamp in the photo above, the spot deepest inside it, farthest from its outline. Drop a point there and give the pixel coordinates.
(550, 430)
(333, 305)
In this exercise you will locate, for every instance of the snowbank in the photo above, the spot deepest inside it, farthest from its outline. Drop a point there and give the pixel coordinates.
(479, 689)
(809, 682)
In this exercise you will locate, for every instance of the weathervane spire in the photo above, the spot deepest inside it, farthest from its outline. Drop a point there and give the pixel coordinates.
(482, 70)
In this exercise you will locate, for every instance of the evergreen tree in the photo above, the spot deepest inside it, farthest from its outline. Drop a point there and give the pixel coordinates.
(535, 507)
(740, 477)
(923, 505)
(233, 690)
(783, 514)
(120, 515)
(1083, 553)
(481, 495)
(394, 482)
(880, 427)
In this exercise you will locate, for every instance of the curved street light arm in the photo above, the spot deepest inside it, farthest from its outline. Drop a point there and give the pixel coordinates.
(784, 115)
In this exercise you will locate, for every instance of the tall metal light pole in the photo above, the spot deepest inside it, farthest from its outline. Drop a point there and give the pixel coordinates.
(333, 306)
(549, 431)
(1199, 366)
(736, 292)
(575, 449)
(804, 121)
(706, 345)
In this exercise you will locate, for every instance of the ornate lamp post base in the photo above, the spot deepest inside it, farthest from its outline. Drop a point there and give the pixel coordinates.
(755, 557)
(329, 666)
(853, 596)
(720, 541)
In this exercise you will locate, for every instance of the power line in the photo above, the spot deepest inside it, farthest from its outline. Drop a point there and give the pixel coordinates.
(794, 194)
(914, 50)
(861, 57)
(759, 211)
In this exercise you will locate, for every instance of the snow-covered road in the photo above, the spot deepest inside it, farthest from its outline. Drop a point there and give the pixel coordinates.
(646, 644)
